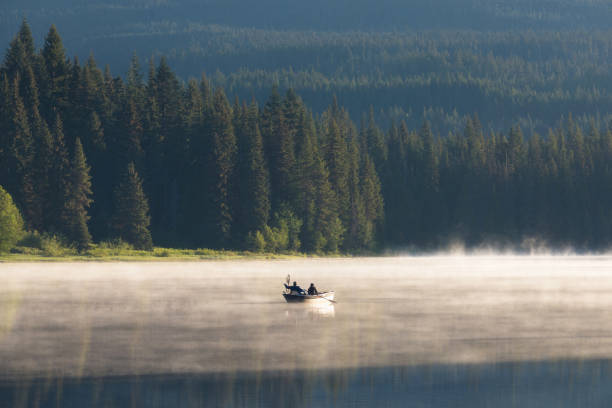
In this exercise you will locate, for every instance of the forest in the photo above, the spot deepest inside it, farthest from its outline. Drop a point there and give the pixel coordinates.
(153, 160)
(512, 61)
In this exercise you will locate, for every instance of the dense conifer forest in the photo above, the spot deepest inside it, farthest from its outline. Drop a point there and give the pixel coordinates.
(152, 159)
(513, 61)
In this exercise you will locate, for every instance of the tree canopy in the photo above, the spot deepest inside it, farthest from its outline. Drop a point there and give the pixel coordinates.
(93, 156)
(11, 223)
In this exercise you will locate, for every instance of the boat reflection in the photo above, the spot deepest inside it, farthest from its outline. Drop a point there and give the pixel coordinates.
(310, 311)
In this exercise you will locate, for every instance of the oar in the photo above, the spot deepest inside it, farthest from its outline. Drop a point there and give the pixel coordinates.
(329, 300)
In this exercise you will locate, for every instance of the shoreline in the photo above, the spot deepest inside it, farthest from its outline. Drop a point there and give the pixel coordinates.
(164, 255)
(154, 256)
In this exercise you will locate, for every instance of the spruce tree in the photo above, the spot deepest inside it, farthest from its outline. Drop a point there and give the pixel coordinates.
(15, 60)
(328, 228)
(78, 199)
(41, 169)
(370, 190)
(280, 151)
(58, 178)
(307, 176)
(131, 217)
(336, 159)
(57, 70)
(26, 38)
(255, 184)
(374, 139)
(356, 223)
(16, 153)
(223, 163)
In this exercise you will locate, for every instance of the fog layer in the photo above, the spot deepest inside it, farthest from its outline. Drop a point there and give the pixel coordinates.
(99, 319)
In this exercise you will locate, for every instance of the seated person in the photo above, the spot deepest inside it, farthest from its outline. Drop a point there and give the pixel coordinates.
(312, 290)
(295, 288)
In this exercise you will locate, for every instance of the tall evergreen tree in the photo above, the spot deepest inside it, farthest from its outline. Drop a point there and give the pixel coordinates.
(254, 179)
(56, 70)
(223, 163)
(280, 150)
(131, 218)
(336, 159)
(17, 152)
(78, 199)
(58, 179)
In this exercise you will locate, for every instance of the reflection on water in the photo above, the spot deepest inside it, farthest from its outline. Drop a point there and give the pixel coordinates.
(558, 384)
(454, 331)
(307, 312)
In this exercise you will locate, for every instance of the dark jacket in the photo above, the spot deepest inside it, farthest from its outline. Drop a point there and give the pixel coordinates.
(295, 288)
(312, 290)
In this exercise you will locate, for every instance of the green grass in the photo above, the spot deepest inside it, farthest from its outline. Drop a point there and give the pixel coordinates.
(36, 248)
(156, 255)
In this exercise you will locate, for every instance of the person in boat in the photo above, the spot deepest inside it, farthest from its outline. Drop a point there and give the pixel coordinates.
(295, 288)
(312, 290)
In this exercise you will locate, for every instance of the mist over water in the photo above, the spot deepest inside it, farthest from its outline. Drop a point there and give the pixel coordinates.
(396, 319)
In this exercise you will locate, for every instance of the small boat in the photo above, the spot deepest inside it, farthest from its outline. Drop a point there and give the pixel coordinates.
(321, 298)
(293, 296)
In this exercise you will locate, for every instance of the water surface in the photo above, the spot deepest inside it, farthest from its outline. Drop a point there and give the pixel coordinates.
(439, 331)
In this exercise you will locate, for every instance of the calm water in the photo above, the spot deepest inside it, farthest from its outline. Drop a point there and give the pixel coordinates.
(421, 332)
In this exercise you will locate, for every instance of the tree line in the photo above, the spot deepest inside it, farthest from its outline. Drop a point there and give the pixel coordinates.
(92, 156)
(526, 77)
(512, 62)
(85, 154)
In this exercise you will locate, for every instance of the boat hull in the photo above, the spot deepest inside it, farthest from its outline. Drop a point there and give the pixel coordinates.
(323, 298)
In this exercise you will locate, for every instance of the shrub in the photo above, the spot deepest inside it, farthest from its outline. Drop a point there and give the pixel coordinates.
(45, 244)
(256, 242)
(164, 253)
(31, 240)
(11, 223)
(114, 247)
(52, 245)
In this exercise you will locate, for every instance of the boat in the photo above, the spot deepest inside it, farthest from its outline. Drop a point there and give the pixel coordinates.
(293, 296)
(321, 298)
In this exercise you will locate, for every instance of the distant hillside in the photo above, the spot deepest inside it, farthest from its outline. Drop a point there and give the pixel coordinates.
(98, 16)
(511, 61)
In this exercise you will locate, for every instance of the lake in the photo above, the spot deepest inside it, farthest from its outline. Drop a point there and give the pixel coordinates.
(460, 331)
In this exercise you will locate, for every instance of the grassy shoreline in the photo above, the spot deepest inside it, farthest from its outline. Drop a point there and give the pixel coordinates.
(97, 254)
(34, 247)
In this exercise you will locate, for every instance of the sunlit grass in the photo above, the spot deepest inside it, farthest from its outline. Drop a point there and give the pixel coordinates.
(124, 252)
(45, 247)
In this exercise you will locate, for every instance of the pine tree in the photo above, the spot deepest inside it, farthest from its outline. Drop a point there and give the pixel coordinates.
(134, 77)
(338, 166)
(255, 187)
(41, 169)
(429, 187)
(57, 70)
(374, 139)
(58, 179)
(17, 150)
(78, 199)
(15, 60)
(280, 150)
(131, 218)
(26, 38)
(370, 189)
(328, 228)
(307, 176)
(356, 208)
(223, 163)
(129, 146)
